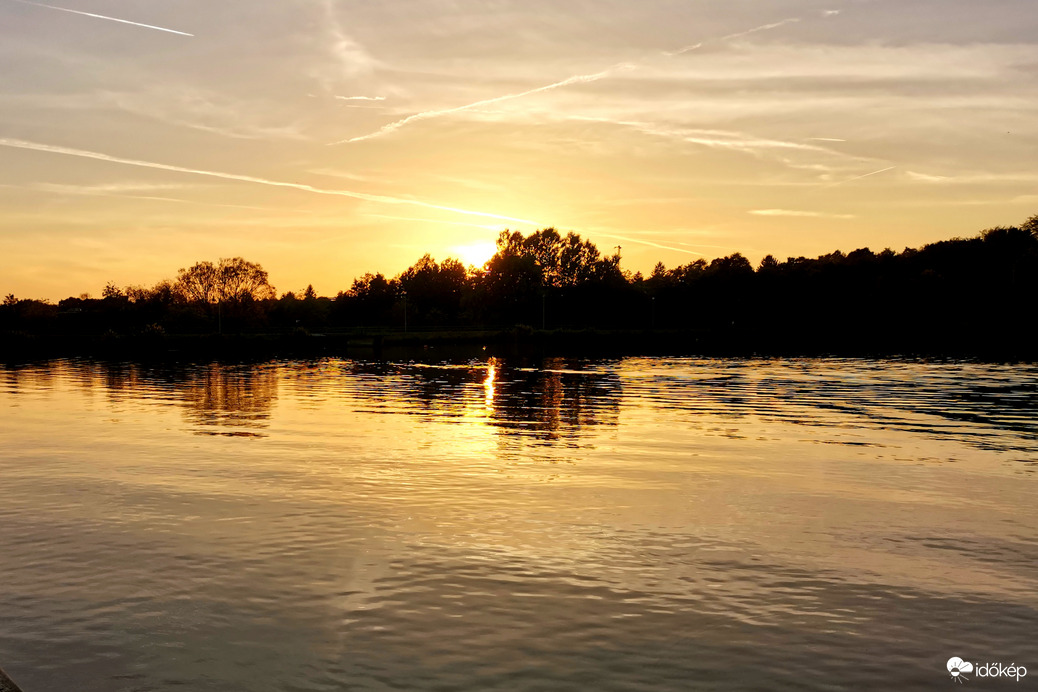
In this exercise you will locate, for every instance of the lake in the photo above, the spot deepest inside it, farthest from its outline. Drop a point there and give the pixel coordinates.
(511, 524)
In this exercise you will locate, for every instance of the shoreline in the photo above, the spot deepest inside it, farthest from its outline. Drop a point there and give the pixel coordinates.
(520, 341)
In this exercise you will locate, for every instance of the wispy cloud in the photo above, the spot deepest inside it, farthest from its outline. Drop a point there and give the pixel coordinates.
(576, 79)
(486, 227)
(925, 178)
(799, 213)
(346, 59)
(973, 178)
(729, 37)
(729, 140)
(119, 191)
(122, 188)
(859, 177)
(424, 115)
(638, 241)
(642, 201)
(360, 98)
(180, 104)
(720, 247)
(847, 69)
(207, 111)
(101, 16)
(382, 199)
(346, 175)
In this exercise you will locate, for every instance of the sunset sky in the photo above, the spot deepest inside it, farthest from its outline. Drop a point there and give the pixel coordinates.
(327, 138)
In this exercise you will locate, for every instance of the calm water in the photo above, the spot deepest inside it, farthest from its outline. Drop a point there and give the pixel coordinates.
(639, 524)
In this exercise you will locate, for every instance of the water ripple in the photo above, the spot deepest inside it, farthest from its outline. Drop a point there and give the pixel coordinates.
(506, 524)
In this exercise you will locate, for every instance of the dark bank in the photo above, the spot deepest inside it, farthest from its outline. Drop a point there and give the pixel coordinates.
(553, 294)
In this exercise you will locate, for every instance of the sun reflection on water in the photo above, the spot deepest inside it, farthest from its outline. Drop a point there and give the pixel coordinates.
(488, 385)
(384, 512)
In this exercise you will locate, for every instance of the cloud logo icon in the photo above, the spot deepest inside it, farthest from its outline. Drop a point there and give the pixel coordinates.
(956, 666)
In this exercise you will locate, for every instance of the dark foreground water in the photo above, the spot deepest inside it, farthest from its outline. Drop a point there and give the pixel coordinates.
(641, 524)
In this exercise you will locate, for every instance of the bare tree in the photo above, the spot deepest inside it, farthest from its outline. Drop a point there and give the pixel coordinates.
(233, 279)
(198, 282)
(239, 280)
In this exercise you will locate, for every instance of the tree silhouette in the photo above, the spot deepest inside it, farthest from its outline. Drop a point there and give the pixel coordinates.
(233, 279)
(1030, 226)
(972, 294)
(239, 280)
(368, 302)
(197, 283)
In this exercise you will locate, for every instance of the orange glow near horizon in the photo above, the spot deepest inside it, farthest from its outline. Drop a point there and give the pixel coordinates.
(476, 254)
(330, 153)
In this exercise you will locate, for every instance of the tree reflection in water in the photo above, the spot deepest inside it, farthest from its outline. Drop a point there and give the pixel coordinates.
(550, 400)
(556, 400)
(229, 400)
(216, 399)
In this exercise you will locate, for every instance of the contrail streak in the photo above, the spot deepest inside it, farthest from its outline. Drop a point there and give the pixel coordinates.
(577, 79)
(738, 34)
(628, 239)
(723, 139)
(101, 16)
(859, 177)
(396, 125)
(82, 153)
(22, 144)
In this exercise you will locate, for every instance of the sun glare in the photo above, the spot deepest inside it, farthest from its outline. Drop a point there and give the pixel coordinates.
(475, 254)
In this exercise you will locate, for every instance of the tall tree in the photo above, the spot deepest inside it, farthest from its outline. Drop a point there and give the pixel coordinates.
(239, 281)
(198, 283)
(233, 279)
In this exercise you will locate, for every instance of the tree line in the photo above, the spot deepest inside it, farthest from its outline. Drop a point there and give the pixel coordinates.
(962, 289)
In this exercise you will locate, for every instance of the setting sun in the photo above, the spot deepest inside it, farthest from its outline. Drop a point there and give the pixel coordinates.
(679, 131)
(518, 345)
(475, 254)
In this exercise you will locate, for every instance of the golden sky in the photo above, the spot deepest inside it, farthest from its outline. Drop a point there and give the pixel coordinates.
(327, 138)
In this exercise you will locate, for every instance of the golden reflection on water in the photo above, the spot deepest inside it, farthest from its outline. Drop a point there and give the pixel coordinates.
(488, 384)
(217, 397)
(547, 402)
(734, 426)
(806, 501)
